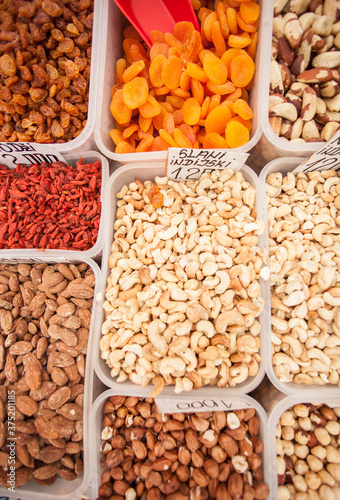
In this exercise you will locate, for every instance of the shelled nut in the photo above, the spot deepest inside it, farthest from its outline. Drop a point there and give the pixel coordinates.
(313, 468)
(45, 314)
(303, 244)
(305, 50)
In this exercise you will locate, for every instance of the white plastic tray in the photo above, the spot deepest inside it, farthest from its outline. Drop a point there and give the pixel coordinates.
(274, 417)
(93, 252)
(97, 417)
(145, 172)
(61, 489)
(284, 165)
(112, 49)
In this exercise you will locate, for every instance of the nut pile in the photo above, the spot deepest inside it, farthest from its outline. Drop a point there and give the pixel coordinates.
(45, 55)
(304, 105)
(183, 296)
(304, 250)
(308, 455)
(45, 314)
(147, 455)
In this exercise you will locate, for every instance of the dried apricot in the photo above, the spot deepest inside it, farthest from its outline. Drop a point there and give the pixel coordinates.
(197, 91)
(246, 123)
(188, 132)
(124, 147)
(225, 88)
(232, 22)
(120, 111)
(215, 69)
(214, 141)
(172, 72)
(239, 41)
(191, 111)
(230, 54)
(218, 39)
(197, 72)
(236, 134)
(217, 120)
(183, 31)
(242, 70)
(151, 108)
(181, 140)
(242, 108)
(159, 144)
(136, 92)
(250, 12)
(133, 70)
(155, 70)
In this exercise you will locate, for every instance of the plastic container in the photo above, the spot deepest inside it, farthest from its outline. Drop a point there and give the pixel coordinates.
(118, 179)
(95, 251)
(61, 489)
(284, 165)
(237, 402)
(270, 146)
(112, 43)
(274, 417)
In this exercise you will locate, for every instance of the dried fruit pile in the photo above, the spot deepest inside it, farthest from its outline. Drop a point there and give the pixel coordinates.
(190, 89)
(45, 55)
(50, 206)
(147, 455)
(45, 314)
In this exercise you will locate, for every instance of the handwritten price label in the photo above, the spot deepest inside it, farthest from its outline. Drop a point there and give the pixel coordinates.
(26, 153)
(189, 164)
(181, 404)
(326, 158)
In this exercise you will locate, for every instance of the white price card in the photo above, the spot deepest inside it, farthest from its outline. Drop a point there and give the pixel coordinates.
(326, 158)
(189, 164)
(27, 153)
(184, 404)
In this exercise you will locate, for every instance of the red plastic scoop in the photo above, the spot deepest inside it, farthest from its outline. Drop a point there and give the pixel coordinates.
(161, 15)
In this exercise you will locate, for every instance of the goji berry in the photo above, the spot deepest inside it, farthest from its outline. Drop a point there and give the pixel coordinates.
(39, 203)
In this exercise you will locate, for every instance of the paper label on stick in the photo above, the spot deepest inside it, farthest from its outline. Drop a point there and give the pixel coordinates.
(182, 404)
(186, 164)
(27, 153)
(326, 158)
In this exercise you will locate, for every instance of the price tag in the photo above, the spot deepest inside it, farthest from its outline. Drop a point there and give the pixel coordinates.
(26, 153)
(326, 158)
(189, 164)
(184, 404)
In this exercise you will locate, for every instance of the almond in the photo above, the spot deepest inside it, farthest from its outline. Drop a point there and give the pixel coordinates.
(50, 454)
(80, 290)
(45, 472)
(59, 397)
(26, 405)
(71, 411)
